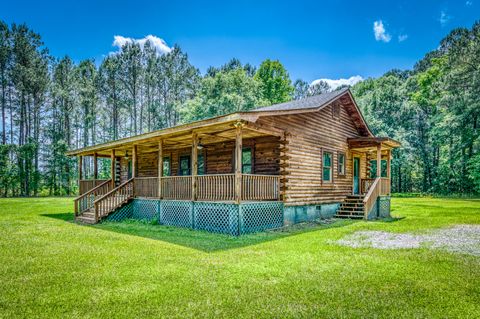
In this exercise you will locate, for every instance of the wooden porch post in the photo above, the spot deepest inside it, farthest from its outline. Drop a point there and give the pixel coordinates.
(112, 168)
(389, 158)
(134, 161)
(238, 162)
(95, 167)
(194, 165)
(160, 167)
(80, 165)
(379, 160)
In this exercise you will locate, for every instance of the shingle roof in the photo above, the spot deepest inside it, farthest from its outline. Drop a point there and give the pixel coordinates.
(306, 103)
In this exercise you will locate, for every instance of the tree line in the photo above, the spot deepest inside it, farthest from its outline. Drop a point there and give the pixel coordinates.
(51, 105)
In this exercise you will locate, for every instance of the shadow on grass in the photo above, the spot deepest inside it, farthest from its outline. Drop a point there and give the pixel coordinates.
(68, 217)
(202, 240)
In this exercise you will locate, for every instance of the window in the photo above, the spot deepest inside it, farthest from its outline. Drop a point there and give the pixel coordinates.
(341, 164)
(184, 167)
(327, 167)
(247, 160)
(129, 169)
(166, 166)
(200, 165)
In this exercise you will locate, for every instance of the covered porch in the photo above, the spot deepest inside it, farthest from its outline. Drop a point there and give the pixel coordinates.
(375, 182)
(230, 162)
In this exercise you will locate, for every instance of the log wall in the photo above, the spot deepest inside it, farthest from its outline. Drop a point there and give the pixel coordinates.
(309, 134)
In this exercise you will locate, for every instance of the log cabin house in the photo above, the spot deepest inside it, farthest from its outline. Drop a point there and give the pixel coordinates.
(246, 171)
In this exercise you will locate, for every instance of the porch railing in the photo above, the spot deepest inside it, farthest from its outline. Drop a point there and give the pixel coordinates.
(260, 187)
(114, 199)
(365, 184)
(381, 186)
(176, 187)
(218, 187)
(85, 201)
(86, 185)
(146, 187)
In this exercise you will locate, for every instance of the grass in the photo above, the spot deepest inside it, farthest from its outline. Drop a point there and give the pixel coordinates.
(52, 267)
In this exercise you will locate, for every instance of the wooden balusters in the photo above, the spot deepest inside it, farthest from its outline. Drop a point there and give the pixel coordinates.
(146, 187)
(221, 187)
(114, 199)
(176, 187)
(260, 187)
(85, 201)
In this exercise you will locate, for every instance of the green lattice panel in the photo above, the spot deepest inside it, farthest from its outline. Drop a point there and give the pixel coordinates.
(216, 217)
(384, 206)
(144, 209)
(260, 216)
(176, 213)
(122, 213)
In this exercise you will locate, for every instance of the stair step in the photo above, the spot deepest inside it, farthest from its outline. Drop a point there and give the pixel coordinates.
(352, 206)
(349, 216)
(86, 220)
(353, 201)
(356, 211)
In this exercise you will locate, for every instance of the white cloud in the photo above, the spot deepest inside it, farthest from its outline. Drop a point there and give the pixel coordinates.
(468, 3)
(402, 37)
(380, 32)
(339, 82)
(159, 44)
(444, 18)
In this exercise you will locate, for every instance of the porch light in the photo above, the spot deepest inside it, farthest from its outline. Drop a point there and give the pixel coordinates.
(126, 155)
(199, 145)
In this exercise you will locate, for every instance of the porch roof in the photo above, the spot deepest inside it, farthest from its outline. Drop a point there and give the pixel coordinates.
(369, 143)
(221, 128)
(213, 130)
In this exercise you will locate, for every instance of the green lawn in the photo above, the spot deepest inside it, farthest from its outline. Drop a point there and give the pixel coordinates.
(52, 267)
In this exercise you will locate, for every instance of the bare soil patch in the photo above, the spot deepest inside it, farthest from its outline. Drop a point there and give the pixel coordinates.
(464, 239)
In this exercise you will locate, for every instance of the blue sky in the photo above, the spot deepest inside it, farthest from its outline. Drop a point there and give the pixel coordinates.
(313, 39)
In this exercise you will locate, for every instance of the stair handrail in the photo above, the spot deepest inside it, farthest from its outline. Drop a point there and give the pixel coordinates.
(126, 188)
(371, 197)
(93, 191)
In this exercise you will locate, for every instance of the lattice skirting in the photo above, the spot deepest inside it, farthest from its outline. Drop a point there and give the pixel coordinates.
(215, 217)
(260, 216)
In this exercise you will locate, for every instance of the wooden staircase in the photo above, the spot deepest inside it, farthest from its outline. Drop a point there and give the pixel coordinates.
(100, 202)
(352, 207)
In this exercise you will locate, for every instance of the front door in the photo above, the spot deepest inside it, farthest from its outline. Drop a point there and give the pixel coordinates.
(356, 175)
(184, 166)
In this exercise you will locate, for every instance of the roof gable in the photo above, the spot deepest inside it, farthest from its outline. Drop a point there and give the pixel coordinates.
(318, 102)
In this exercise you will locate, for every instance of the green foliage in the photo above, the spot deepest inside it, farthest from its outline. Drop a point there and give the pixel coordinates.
(275, 83)
(49, 106)
(226, 92)
(434, 111)
(474, 171)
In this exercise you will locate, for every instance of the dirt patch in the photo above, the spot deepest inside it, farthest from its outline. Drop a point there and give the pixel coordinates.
(464, 239)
